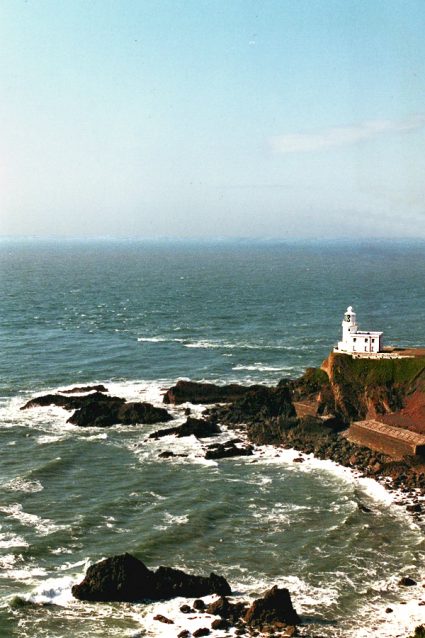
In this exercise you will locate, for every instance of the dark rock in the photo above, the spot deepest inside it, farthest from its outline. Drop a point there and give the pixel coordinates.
(406, 581)
(124, 578)
(184, 634)
(196, 427)
(203, 631)
(85, 388)
(186, 609)
(256, 406)
(220, 623)
(299, 459)
(363, 508)
(389, 610)
(193, 392)
(187, 411)
(225, 609)
(414, 508)
(163, 619)
(166, 455)
(100, 413)
(226, 450)
(199, 605)
(276, 605)
(100, 410)
(120, 578)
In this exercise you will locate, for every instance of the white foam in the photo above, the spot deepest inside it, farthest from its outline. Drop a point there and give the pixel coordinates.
(54, 591)
(263, 368)
(43, 526)
(8, 540)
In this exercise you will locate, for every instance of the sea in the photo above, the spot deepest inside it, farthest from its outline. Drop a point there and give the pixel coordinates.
(138, 315)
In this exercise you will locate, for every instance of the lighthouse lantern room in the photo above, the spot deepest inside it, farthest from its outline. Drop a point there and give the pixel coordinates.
(355, 340)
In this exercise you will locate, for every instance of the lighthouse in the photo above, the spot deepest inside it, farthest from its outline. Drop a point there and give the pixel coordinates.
(355, 341)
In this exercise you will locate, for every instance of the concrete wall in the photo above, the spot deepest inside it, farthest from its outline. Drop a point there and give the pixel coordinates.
(384, 438)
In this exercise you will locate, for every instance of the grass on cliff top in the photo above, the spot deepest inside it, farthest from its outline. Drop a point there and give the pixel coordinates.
(378, 371)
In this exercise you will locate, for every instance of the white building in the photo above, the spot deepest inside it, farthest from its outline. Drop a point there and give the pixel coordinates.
(355, 340)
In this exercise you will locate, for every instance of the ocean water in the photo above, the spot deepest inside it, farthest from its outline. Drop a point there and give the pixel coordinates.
(137, 316)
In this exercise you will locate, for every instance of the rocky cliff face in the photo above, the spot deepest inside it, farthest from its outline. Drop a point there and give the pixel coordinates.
(376, 388)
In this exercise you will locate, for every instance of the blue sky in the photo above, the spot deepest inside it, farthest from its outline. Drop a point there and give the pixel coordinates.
(206, 118)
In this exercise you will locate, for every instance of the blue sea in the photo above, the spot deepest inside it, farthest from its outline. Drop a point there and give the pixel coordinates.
(137, 316)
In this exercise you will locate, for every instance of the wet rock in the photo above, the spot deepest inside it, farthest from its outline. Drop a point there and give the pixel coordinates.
(163, 619)
(299, 459)
(363, 508)
(220, 623)
(416, 507)
(184, 634)
(275, 606)
(166, 455)
(257, 406)
(125, 578)
(193, 392)
(406, 581)
(186, 609)
(225, 609)
(85, 388)
(227, 450)
(199, 605)
(389, 610)
(196, 427)
(100, 410)
(203, 631)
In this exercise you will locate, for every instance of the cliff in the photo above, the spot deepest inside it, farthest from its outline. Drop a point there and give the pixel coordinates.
(389, 390)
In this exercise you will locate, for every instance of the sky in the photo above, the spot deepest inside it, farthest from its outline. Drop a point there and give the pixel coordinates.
(212, 118)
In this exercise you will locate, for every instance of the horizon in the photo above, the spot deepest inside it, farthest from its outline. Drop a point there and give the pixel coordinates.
(198, 119)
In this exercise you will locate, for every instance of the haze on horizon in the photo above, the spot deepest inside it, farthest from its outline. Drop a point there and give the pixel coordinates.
(207, 118)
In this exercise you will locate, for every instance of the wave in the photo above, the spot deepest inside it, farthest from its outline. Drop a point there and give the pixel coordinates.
(263, 368)
(41, 525)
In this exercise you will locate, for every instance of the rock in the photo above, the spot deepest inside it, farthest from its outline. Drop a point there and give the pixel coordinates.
(196, 427)
(85, 388)
(414, 508)
(257, 405)
(299, 459)
(199, 605)
(389, 610)
(186, 609)
(226, 450)
(225, 609)
(203, 631)
(276, 605)
(125, 578)
(120, 578)
(100, 410)
(220, 623)
(103, 414)
(166, 455)
(363, 508)
(163, 619)
(406, 581)
(193, 392)
(184, 634)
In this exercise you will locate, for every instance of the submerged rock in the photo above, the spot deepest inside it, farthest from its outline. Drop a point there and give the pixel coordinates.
(124, 578)
(85, 388)
(196, 427)
(227, 450)
(194, 392)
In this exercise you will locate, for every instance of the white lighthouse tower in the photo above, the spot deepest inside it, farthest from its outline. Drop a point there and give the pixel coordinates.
(355, 341)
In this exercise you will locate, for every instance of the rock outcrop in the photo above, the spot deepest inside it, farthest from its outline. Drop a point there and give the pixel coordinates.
(227, 450)
(100, 410)
(196, 427)
(274, 608)
(124, 578)
(194, 392)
